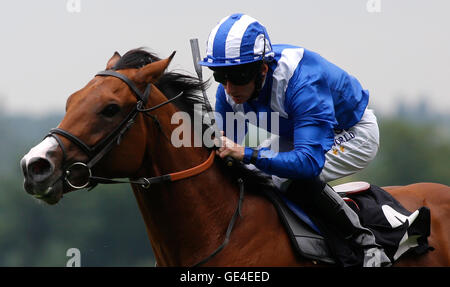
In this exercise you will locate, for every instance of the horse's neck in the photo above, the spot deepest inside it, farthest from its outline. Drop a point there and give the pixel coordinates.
(185, 220)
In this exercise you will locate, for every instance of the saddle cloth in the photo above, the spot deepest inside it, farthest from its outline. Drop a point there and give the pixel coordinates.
(396, 229)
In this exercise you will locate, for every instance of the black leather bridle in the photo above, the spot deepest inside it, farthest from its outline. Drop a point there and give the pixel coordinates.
(99, 150)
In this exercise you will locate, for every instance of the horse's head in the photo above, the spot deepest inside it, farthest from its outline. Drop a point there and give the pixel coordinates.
(97, 117)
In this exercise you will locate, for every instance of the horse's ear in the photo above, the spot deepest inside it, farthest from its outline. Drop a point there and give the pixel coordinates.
(151, 72)
(116, 57)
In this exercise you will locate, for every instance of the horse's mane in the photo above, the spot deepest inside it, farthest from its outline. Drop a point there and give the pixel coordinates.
(171, 84)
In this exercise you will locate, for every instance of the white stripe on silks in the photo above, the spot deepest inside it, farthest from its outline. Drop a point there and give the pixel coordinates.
(290, 58)
(212, 36)
(235, 35)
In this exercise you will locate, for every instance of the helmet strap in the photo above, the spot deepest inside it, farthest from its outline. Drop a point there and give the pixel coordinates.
(259, 76)
(258, 83)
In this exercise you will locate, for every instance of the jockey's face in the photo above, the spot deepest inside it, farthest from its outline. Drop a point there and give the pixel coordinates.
(239, 83)
(240, 93)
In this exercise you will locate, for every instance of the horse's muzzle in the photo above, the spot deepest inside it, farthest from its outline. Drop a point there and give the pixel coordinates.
(41, 180)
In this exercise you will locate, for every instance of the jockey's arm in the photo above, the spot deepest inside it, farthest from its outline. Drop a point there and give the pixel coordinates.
(310, 106)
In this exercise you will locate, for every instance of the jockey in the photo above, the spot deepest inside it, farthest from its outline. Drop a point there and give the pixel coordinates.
(323, 118)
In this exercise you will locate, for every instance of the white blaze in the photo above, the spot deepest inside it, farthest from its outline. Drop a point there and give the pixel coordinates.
(41, 150)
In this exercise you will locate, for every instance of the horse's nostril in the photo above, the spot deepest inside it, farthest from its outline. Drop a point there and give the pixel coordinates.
(39, 169)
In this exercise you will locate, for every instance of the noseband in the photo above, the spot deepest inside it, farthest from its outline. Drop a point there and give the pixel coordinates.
(99, 150)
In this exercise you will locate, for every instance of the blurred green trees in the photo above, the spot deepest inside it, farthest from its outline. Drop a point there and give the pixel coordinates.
(105, 224)
(409, 152)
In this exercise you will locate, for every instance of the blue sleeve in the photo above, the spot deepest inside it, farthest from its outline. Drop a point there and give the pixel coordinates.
(223, 107)
(310, 107)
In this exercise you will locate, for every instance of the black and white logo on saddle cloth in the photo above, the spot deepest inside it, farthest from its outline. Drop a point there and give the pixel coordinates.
(397, 230)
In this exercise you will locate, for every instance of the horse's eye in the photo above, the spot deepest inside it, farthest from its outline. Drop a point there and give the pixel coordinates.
(110, 110)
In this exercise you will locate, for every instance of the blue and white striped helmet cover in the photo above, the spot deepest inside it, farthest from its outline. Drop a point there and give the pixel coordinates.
(237, 39)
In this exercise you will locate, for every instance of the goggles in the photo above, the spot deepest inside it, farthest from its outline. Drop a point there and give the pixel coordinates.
(237, 75)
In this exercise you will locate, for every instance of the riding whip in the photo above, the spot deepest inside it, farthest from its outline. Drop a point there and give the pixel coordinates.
(198, 69)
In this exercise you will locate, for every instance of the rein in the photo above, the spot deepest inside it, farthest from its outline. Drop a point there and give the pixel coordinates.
(146, 182)
(99, 150)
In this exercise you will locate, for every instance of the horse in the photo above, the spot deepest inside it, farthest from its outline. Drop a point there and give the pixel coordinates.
(191, 202)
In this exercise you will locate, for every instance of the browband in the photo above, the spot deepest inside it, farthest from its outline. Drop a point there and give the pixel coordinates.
(136, 91)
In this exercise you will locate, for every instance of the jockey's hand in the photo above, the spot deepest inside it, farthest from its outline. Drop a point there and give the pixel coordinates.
(230, 148)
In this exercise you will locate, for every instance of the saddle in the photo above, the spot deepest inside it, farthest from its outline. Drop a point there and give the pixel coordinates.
(303, 233)
(396, 229)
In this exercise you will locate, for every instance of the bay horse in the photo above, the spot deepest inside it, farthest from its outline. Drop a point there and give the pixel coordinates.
(193, 201)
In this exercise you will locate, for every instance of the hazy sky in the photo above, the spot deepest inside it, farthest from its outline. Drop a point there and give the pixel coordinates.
(400, 53)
